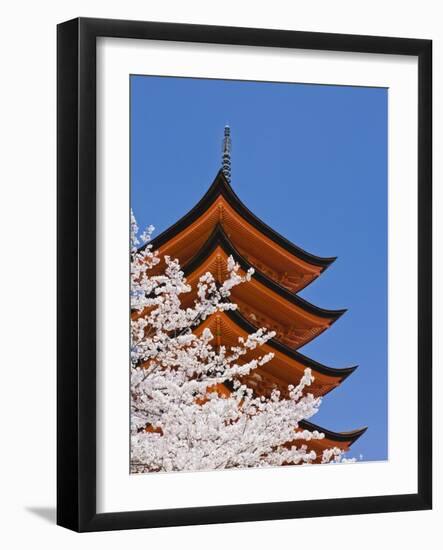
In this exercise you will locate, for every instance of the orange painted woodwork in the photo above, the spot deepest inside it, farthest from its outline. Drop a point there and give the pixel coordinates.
(286, 367)
(271, 253)
(219, 226)
(262, 301)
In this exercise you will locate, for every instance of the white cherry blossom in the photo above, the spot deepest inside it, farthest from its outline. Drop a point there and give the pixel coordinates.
(180, 417)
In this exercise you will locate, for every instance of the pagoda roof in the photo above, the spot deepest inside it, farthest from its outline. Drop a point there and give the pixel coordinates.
(267, 287)
(287, 366)
(220, 225)
(342, 440)
(348, 437)
(287, 260)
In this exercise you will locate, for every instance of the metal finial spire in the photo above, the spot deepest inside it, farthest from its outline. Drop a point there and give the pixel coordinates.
(226, 153)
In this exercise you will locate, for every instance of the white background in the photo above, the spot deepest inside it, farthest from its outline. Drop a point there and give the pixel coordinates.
(27, 217)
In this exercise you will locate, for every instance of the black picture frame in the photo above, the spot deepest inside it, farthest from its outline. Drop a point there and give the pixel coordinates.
(76, 280)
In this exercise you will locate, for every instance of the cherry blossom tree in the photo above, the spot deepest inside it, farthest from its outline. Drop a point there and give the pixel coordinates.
(180, 420)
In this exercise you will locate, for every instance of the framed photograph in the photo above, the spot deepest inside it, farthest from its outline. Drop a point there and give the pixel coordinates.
(244, 274)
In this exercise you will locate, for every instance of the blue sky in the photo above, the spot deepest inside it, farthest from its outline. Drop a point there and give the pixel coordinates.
(311, 162)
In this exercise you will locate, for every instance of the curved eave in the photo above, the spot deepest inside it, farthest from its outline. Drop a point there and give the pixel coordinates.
(341, 437)
(221, 187)
(219, 238)
(238, 319)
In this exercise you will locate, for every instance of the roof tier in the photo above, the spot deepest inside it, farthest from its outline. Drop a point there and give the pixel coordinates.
(262, 301)
(286, 367)
(342, 440)
(285, 263)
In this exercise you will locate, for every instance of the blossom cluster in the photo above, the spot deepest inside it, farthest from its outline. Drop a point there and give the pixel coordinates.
(180, 417)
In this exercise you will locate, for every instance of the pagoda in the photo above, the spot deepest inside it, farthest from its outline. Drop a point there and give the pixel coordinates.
(219, 226)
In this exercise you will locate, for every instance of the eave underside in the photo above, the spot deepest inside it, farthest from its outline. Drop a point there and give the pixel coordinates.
(262, 301)
(281, 260)
(287, 366)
